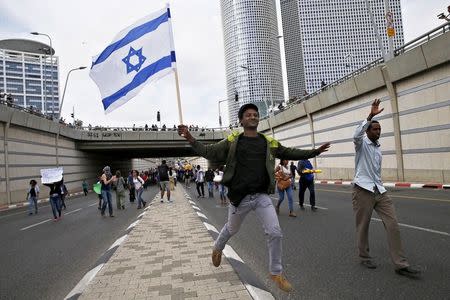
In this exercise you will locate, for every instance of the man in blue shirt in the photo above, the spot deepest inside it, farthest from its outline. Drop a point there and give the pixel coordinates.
(306, 182)
(369, 194)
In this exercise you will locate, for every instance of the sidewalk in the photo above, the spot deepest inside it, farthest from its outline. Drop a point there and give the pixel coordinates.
(166, 256)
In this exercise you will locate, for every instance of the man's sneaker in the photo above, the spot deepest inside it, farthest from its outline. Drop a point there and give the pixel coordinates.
(162, 201)
(408, 272)
(216, 257)
(368, 264)
(313, 208)
(282, 283)
(302, 207)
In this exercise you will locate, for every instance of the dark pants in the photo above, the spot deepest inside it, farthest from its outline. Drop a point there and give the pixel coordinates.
(303, 185)
(56, 205)
(85, 191)
(132, 194)
(201, 186)
(63, 203)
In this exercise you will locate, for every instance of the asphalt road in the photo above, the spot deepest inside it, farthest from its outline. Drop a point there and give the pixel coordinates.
(47, 260)
(319, 248)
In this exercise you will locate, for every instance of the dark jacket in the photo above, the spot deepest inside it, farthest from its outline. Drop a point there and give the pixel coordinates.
(225, 153)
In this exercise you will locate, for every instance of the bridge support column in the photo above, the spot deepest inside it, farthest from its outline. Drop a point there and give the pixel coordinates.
(396, 124)
(311, 127)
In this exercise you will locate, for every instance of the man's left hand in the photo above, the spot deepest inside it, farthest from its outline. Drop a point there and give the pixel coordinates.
(324, 148)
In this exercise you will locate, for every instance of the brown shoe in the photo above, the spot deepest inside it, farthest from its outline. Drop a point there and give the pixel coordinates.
(216, 257)
(291, 214)
(282, 283)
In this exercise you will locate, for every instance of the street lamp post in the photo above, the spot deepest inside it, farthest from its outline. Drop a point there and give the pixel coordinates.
(220, 116)
(64, 91)
(51, 61)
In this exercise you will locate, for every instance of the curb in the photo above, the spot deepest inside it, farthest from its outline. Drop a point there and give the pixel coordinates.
(392, 184)
(42, 200)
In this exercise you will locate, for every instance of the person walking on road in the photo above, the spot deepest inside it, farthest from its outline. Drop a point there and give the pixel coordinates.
(138, 184)
(293, 169)
(120, 191)
(283, 178)
(209, 178)
(369, 194)
(64, 193)
(163, 174)
(200, 182)
(84, 185)
(250, 161)
(106, 180)
(33, 195)
(306, 181)
(55, 199)
(131, 188)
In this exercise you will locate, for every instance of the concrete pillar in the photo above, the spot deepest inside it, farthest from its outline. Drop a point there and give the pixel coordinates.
(396, 123)
(311, 127)
(5, 141)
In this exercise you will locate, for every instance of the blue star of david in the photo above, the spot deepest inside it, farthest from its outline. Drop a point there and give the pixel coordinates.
(131, 53)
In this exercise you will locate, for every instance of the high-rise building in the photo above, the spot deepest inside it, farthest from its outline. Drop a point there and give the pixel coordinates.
(26, 74)
(325, 40)
(252, 55)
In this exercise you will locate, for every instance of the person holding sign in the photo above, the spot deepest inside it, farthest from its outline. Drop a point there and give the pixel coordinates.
(53, 178)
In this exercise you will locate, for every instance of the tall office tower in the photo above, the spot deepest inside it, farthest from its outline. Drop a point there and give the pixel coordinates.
(325, 40)
(26, 74)
(252, 55)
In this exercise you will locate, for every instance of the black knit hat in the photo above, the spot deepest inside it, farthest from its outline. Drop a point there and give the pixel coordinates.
(245, 107)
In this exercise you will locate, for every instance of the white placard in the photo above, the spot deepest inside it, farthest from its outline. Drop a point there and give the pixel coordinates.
(51, 175)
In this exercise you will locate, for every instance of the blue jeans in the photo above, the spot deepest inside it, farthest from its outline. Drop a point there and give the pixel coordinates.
(139, 197)
(290, 199)
(32, 203)
(210, 186)
(55, 202)
(107, 200)
(222, 191)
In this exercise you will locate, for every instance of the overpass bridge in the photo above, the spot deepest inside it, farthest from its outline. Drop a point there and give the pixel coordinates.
(414, 88)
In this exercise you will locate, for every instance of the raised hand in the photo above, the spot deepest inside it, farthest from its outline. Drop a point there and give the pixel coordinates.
(375, 109)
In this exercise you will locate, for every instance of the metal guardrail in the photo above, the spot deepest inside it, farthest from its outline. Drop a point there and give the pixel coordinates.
(406, 47)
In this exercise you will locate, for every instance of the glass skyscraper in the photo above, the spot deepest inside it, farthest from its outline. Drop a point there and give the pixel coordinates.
(26, 74)
(252, 55)
(325, 40)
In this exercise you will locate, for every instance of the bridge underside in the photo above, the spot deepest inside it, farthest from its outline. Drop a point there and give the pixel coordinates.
(136, 149)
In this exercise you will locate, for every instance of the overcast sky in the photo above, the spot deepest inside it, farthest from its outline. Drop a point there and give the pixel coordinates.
(82, 29)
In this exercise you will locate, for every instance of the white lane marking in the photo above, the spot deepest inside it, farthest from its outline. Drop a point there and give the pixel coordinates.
(201, 215)
(96, 203)
(118, 242)
(257, 293)
(141, 215)
(210, 227)
(133, 224)
(195, 207)
(319, 207)
(418, 228)
(230, 253)
(31, 226)
(81, 286)
(389, 184)
(192, 202)
(71, 212)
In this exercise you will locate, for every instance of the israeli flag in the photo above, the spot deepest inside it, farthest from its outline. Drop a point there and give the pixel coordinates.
(139, 54)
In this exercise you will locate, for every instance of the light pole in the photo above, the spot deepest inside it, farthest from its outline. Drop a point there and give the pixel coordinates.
(64, 91)
(220, 116)
(51, 61)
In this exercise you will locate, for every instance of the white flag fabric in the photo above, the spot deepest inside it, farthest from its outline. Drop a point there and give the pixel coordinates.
(138, 55)
(51, 175)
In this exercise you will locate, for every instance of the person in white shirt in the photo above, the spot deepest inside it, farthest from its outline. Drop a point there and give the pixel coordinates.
(139, 187)
(200, 181)
(369, 194)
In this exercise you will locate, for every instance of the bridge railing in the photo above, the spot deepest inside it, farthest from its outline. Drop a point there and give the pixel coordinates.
(406, 47)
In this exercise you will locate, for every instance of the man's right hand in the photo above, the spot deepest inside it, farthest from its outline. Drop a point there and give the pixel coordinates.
(375, 109)
(184, 132)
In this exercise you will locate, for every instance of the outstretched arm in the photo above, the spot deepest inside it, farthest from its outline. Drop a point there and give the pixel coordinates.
(361, 129)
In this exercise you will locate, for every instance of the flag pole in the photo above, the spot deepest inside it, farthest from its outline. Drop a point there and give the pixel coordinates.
(177, 84)
(180, 113)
